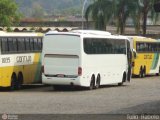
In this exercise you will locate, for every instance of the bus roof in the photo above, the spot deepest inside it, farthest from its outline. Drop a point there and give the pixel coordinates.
(2, 33)
(88, 34)
(142, 39)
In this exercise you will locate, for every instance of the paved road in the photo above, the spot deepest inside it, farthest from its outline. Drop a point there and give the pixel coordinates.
(138, 97)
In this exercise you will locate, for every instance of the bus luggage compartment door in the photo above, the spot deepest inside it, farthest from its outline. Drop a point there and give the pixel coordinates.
(61, 65)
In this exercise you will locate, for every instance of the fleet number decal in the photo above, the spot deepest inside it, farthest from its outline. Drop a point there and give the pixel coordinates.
(147, 56)
(6, 60)
(11, 60)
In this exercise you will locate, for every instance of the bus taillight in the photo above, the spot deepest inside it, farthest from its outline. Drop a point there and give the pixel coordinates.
(79, 71)
(42, 69)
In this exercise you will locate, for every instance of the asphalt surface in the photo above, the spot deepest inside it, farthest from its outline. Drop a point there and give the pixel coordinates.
(141, 96)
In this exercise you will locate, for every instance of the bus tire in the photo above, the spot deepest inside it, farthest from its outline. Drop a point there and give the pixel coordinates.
(123, 80)
(19, 81)
(13, 82)
(141, 72)
(92, 83)
(144, 72)
(158, 72)
(98, 80)
(129, 74)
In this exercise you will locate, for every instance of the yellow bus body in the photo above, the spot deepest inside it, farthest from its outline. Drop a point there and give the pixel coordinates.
(28, 64)
(148, 60)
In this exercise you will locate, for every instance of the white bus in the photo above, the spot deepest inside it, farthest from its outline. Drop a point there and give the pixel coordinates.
(87, 58)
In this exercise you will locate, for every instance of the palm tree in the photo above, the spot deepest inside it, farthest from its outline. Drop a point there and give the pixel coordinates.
(136, 16)
(146, 8)
(122, 11)
(101, 12)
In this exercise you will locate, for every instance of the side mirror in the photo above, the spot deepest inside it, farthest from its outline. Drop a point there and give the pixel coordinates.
(134, 53)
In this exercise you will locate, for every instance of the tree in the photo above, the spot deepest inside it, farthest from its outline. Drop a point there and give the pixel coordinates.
(147, 6)
(8, 13)
(38, 11)
(122, 11)
(101, 12)
(135, 15)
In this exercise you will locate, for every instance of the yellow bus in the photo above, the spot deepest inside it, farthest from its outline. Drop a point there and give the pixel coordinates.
(146, 56)
(20, 59)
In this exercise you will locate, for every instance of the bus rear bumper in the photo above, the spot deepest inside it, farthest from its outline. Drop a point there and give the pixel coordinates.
(61, 81)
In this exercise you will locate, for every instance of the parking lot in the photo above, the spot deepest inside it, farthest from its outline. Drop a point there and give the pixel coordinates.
(141, 96)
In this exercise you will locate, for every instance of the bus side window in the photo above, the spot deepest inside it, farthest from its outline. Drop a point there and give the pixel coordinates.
(92, 47)
(107, 47)
(158, 47)
(31, 44)
(27, 44)
(10, 45)
(35, 44)
(87, 46)
(39, 44)
(4, 45)
(21, 45)
(12, 42)
(15, 45)
(149, 47)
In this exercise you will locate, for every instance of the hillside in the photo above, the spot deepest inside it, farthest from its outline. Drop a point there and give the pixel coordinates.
(49, 7)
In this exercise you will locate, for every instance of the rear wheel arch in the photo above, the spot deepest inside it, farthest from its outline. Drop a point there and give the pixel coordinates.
(14, 75)
(13, 81)
(144, 69)
(93, 77)
(124, 77)
(141, 71)
(92, 82)
(20, 77)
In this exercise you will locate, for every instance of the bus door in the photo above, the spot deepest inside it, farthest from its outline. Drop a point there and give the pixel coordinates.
(129, 60)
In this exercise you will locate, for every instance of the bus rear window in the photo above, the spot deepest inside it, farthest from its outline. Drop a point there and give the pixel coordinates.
(62, 42)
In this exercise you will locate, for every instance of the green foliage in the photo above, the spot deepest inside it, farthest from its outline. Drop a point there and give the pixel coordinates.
(8, 13)
(146, 8)
(103, 11)
(51, 7)
(100, 11)
(38, 11)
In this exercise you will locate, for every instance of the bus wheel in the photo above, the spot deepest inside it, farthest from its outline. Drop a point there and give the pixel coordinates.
(129, 75)
(92, 83)
(141, 73)
(158, 72)
(144, 72)
(123, 80)
(19, 81)
(13, 82)
(98, 82)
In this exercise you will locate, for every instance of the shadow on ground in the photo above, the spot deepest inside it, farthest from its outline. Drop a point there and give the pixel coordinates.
(48, 88)
(146, 108)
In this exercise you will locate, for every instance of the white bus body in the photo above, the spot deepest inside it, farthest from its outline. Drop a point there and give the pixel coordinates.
(82, 58)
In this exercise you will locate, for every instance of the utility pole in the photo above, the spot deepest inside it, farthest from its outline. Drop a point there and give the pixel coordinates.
(83, 8)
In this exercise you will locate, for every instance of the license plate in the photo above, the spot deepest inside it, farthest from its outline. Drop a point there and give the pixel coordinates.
(60, 75)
